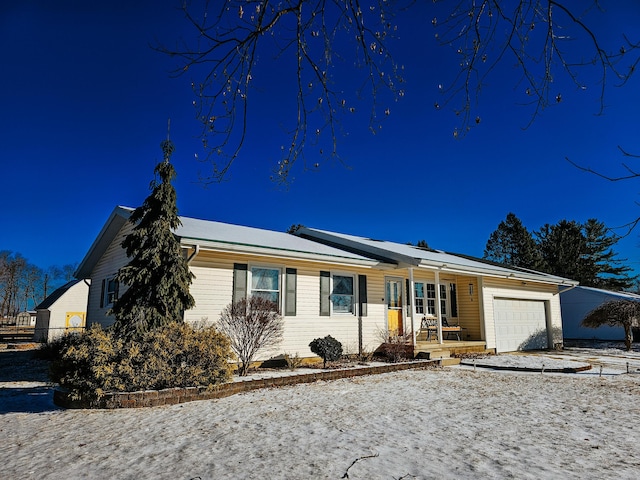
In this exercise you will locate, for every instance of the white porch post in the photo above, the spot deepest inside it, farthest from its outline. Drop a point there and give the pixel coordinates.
(412, 296)
(438, 312)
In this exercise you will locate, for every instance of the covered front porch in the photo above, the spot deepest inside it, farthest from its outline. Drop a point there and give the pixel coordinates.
(437, 312)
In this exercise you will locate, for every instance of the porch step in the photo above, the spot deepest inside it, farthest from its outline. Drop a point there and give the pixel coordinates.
(438, 354)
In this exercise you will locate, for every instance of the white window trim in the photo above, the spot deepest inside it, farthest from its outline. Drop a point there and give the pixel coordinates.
(279, 268)
(108, 293)
(354, 302)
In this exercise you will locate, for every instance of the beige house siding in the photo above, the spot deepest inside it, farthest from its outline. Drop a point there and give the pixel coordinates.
(213, 284)
(469, 308)
(493, 288)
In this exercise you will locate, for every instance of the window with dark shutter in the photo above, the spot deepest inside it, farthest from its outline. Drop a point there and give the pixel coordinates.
(239, 282)
(362, 295)
(291, 280)
(325, 291)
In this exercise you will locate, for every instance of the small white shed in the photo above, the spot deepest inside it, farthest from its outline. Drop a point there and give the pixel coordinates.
(577, 302)
(63, 311)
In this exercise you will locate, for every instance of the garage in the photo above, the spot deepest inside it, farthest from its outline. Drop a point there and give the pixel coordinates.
(520, 324)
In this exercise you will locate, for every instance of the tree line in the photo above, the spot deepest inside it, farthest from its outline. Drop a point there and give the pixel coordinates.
(579, 251)
(24, 285)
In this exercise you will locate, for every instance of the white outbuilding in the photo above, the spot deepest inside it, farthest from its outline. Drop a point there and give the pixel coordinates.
(63, 311)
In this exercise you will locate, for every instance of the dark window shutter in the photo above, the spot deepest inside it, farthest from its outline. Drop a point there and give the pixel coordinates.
(362, 295)
(453, 299)
(325, 283)
(104, 281)
(290, 292)
(239, 282)
(116, 293)
(408, 294)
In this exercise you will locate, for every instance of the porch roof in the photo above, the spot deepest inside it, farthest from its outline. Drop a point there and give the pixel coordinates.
(411, 256)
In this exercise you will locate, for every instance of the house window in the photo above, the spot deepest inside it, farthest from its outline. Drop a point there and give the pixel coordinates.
(419, 291)
(431, 299)
(110, 292)
(342, 294)
(265, 283)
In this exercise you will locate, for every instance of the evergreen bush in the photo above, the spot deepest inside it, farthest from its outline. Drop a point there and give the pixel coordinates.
(328, 348)
(177, 355)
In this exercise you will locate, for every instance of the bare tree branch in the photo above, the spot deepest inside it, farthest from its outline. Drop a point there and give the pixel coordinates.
(317, 37)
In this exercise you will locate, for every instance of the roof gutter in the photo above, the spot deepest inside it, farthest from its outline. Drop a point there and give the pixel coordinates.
(443, 267)
(196, 250)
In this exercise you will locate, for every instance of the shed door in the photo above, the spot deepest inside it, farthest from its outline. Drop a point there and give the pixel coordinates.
(520, 325)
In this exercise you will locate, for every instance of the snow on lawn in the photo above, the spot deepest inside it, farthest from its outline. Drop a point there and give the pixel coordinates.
(440, 423)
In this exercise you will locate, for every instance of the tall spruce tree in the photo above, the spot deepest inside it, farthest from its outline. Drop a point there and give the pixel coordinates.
(157, 275)
(512, 244)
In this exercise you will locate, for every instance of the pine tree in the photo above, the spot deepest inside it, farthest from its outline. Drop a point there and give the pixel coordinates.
(610, 273)
(583, 252)
(512, 244)
(157, 275)
(564, 251)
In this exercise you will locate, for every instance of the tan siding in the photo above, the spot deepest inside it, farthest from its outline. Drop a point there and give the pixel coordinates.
(469, 308)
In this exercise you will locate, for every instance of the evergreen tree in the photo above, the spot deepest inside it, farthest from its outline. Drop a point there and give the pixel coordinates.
(609, 272)
(512, 244)
(157, 275)
(564, 250)
(583, 252)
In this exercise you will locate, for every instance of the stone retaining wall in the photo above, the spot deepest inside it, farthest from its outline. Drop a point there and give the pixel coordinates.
(172, 396)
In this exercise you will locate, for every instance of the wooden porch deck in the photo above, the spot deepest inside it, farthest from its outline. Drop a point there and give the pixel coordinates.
(434, 350)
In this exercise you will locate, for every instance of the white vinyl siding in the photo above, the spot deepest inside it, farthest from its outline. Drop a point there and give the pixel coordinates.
(212, 290)
(113, 258)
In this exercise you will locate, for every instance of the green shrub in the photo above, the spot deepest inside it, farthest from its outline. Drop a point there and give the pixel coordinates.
(328, 348)
(178, 355)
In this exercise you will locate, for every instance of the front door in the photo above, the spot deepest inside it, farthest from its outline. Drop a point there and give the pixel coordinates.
(394, 306)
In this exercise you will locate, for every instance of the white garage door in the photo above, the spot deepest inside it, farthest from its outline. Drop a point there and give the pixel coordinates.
(520, 324)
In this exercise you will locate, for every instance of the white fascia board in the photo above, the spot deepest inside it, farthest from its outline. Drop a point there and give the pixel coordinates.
(282, 253)
(110, 229)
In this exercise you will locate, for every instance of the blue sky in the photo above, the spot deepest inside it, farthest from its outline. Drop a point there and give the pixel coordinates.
(85, 103)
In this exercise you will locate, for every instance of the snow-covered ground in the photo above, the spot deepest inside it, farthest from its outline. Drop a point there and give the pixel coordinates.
(442, 423)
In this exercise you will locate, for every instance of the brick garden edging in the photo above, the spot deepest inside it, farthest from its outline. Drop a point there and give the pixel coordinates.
(172, 396)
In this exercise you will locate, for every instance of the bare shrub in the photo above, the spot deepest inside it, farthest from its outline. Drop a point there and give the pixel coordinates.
(252, 325)
(293, 362)
(396, 346)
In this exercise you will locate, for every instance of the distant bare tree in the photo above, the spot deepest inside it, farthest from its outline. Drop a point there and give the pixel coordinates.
(617, 313)
(546, 39)
(251, 325)
(12, 268)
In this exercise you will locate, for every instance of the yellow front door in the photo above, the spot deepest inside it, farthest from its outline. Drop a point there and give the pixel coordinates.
(394, 307)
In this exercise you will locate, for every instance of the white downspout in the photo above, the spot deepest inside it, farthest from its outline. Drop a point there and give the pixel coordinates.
(412, 296)
(196, 250)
